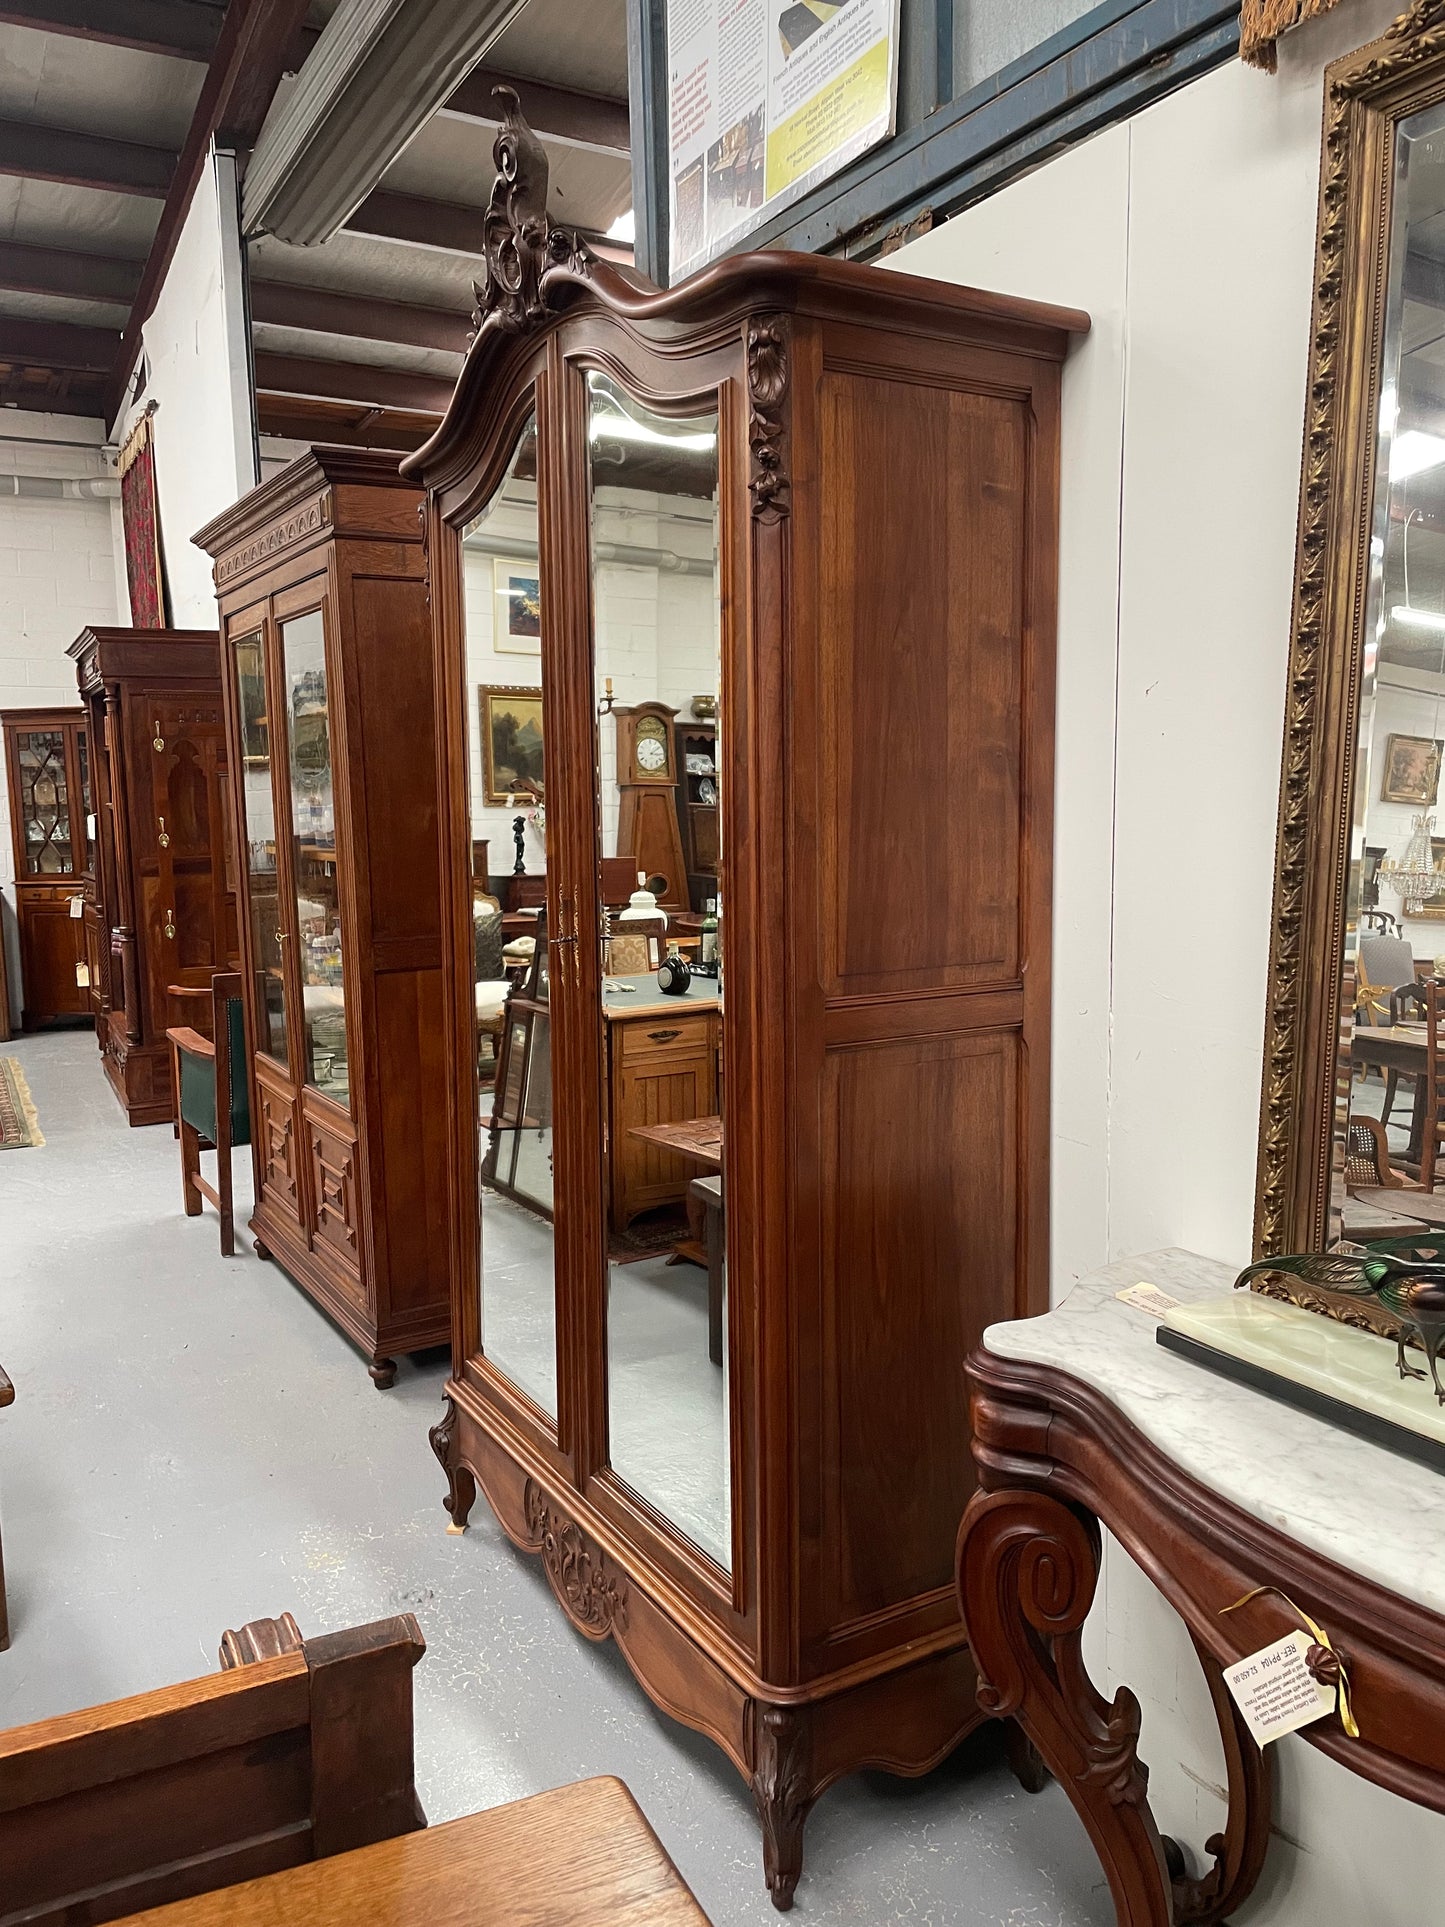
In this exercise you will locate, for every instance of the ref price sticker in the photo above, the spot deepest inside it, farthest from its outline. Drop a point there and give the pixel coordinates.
(1276, 1692)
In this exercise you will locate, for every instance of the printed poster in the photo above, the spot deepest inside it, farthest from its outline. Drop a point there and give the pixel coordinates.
(766, 99)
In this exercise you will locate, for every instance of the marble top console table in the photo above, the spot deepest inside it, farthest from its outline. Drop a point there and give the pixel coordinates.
(1081, 1418)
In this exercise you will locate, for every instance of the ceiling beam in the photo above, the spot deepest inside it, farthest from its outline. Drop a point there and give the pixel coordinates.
(86, 277)
(351, 381)
(352, 427)
(445, 225)
(58, 344)
(257, 40)
(84, 160)
(285, 305)
(555, 113)
(175, 27)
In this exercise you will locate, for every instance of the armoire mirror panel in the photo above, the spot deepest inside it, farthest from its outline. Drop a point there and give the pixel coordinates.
(506, 723)
(653, 501)
(1354, 1088)
(263, 877)
(317, 927)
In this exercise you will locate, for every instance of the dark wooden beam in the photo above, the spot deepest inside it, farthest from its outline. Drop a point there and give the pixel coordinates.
(316, 422)
(285, 305)
(58, 344)
(555, 113)
(445, 225)
(87, 277)
(351, 381)
(84, 160)
(47, 391)
(257, 40)
(176, 27)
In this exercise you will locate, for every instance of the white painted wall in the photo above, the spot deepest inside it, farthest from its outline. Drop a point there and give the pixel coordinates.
(1188, 235)
(197, 374)
(62, 566)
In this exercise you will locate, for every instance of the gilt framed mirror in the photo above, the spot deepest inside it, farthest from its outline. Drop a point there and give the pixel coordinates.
(1354, 1086)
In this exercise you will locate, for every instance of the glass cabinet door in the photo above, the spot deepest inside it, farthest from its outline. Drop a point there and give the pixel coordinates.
(505, 708)
(47, 823)
(263, 891)
(317, 931)
(657, 660)
(83, 837)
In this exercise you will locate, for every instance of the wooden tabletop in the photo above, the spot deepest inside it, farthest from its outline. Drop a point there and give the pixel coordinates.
(582, 1852)
(698, 1138)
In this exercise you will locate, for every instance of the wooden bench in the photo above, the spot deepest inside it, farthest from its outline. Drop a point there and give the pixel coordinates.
(298, 1749)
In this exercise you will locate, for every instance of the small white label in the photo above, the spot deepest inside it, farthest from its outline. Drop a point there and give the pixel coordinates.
(82, 976)
(76, 906)
(90, 825)
(1147, 1298)
(1276, 1692)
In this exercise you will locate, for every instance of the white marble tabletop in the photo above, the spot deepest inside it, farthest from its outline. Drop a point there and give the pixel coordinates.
(1367, 1509)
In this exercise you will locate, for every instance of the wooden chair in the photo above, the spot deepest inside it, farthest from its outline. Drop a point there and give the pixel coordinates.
(7, 1397)
(296, 1750)
(213, 1103)
(1434, 1084)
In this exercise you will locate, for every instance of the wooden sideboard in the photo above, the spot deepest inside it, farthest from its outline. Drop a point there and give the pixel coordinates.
(1081, 1419)
(662, 1068)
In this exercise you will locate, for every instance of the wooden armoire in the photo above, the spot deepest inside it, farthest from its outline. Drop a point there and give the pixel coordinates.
(328, 685)
(164, 908)
(47, 762)
(847, 482)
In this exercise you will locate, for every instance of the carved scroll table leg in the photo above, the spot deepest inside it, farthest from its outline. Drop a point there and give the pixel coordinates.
(1027, 1568)
(783, 1790)
(461, 1486)
(1238, 1853)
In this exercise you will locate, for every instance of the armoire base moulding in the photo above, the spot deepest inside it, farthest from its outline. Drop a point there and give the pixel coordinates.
(789, 1744)
(140, 1074)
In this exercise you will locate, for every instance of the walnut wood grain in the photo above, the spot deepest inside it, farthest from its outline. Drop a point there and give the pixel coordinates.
(581, 1852)
(1055, 1460)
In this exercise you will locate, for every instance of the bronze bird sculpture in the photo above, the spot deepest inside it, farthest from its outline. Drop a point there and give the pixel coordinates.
(1404, 1275)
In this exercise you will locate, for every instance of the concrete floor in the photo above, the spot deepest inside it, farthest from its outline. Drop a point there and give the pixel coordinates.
(192, 1446)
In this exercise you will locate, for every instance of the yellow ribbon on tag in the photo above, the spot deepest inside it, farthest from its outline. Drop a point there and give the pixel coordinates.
(1321, 1638)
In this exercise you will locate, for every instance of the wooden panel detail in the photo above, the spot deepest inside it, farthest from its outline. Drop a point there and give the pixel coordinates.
(411, 1230)
(919, 1252)
(276, 1149)
(332, 1150)
(663, 1072)
(51, 943)
(922, 670)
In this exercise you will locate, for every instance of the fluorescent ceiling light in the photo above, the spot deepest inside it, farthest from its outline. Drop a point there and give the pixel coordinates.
(624, 228)
(1418, 618)
(622, 428)
(1413, 452)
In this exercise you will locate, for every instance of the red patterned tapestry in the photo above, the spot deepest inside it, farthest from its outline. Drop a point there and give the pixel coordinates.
(143, 566)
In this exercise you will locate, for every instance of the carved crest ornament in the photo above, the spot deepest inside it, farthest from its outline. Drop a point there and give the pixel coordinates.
(523, 249)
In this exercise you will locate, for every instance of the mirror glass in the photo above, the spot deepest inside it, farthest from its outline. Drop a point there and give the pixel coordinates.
(507, 786)
(264, 893)
(1395, 934)
(316, 932)
(654, 509)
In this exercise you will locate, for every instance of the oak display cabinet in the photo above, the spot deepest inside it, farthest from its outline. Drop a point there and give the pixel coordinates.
(160, 908)
(320, 578)
(829, 493)
(47, 761)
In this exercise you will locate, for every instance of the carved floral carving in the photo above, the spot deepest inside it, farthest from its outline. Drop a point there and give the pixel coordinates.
(595, 1599)
(783, 1791)
(767, 356)
(519, 242)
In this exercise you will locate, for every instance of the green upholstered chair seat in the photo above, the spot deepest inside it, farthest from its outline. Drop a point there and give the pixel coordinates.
(198, 1084)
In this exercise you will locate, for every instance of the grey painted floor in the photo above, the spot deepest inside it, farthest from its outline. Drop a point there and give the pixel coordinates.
(193, 1446)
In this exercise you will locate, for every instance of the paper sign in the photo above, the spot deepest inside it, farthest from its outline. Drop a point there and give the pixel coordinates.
(82, 976)
(90, 825)
(76, 906)
(1275, 1691)
(1147, 1298)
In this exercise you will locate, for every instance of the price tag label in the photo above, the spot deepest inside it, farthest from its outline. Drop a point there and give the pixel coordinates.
(82, 976)
(1144, 1297)
(1276, 1692)
(76, 907)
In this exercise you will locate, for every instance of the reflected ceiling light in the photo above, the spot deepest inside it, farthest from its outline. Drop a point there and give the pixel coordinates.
(624, 228)
(1413, 452)
(1418, 618)
(622, 428)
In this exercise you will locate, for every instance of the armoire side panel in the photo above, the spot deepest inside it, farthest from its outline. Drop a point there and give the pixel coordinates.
(918, 1250)
(924, 540)
(412, 1221)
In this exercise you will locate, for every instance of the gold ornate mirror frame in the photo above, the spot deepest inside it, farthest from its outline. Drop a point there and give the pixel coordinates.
(1367, 94)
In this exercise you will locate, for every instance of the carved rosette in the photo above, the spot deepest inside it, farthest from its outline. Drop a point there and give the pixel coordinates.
(767, 359)
(519, 242)
(594, 1598)
(1417, 36)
